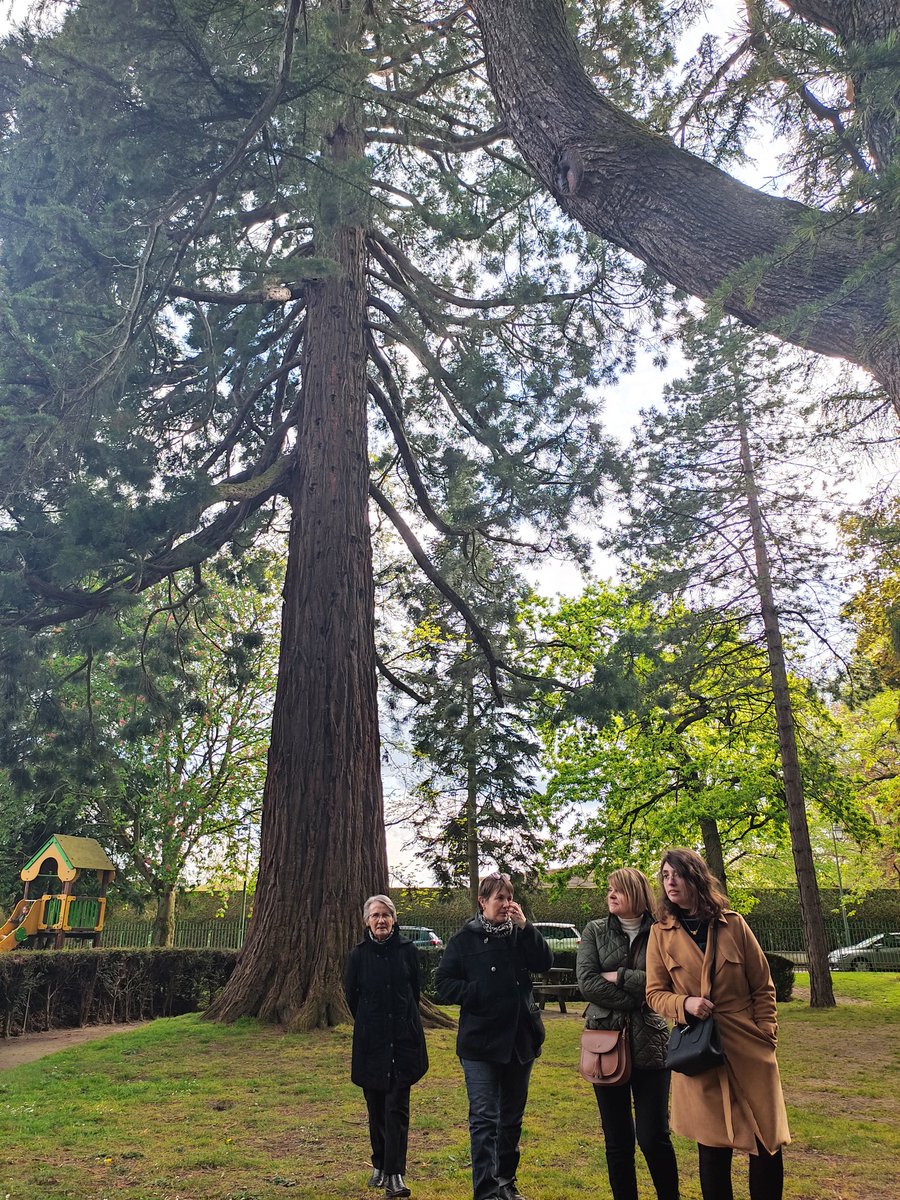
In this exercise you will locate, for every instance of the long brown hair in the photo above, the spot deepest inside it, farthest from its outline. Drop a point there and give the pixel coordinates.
(711, 900)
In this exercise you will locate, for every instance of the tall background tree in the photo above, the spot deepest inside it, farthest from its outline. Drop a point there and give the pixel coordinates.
(473, 758)
(726, 505)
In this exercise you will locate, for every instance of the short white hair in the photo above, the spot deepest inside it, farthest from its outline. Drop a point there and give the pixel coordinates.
(385, 900)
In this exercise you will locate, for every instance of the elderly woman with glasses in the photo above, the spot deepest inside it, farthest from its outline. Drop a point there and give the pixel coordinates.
(486, 970)
(389, 1055)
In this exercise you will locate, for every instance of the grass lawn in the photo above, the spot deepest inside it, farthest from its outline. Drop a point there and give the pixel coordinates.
(182, 1110)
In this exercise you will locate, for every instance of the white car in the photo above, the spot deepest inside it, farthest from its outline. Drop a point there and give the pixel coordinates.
(422, 936)
(559, 935)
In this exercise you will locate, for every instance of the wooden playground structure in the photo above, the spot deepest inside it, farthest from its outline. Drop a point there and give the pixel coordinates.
(64, 896)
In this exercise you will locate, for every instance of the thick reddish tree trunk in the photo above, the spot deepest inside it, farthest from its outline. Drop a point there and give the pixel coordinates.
(323, 843)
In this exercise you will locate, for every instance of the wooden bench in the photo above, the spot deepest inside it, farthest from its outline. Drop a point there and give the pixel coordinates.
(557, 984)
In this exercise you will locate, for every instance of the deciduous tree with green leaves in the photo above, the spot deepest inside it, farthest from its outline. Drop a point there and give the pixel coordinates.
(869, 711)
(150, 729)
(669, 736)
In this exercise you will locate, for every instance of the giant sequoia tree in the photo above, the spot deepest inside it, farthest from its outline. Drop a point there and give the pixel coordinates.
(822, 270)
(256, 256)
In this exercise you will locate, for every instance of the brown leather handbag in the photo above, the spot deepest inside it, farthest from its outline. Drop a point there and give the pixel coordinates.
(605, 1056)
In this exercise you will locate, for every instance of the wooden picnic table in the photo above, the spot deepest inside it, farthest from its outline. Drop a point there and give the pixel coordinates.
(556, 984)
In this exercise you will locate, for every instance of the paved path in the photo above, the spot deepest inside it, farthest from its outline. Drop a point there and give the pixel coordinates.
(30, 1046)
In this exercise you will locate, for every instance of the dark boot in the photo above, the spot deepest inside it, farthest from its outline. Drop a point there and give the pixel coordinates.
(510, 1191)
(394, 1186)
(378, 1178)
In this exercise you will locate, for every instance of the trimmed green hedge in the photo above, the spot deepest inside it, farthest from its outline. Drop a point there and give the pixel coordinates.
(782, 970)
(58, 989)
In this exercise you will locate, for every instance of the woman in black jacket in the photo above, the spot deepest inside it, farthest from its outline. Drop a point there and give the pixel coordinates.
(612, 975)
(486, 971)
(389, 1055)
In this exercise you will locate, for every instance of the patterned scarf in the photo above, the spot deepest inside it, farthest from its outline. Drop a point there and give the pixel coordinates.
(498, 929)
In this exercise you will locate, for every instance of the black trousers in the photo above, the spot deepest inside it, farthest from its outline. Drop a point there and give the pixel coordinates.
(766, 1173)
(388, 1128)
(649, 1126)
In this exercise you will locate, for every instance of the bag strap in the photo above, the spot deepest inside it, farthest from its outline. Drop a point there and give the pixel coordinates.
(714, 935)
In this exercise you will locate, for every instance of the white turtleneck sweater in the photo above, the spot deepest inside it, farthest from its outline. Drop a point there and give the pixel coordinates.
(632, 926)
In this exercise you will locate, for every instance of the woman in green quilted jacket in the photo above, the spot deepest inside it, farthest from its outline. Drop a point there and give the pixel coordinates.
(611, 969)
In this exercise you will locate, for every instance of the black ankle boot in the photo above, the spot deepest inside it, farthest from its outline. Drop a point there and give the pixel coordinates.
(378, 1178)
(394, 1186)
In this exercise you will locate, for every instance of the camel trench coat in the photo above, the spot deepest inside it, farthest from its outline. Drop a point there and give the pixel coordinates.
(735, 1104)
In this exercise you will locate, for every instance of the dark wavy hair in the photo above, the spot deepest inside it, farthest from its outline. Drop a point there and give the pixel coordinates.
(711, 900)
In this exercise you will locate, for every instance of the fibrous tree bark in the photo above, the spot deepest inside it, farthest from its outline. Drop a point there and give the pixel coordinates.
(320, 861)
(824, 280)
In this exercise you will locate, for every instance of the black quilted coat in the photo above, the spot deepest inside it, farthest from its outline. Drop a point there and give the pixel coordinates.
(604, 947)
(381, 982)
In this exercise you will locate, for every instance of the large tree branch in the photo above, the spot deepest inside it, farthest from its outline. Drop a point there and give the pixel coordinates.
(822, 280)
(476, 631)
(242, 494)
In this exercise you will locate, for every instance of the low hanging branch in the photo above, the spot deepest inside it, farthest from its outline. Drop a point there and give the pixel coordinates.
(246, 492)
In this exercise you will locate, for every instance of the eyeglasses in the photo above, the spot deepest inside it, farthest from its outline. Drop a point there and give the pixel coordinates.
(497, 875)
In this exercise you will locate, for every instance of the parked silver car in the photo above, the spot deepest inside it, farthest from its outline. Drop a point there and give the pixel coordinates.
(559, 935)
(421, 936)
(878, 953)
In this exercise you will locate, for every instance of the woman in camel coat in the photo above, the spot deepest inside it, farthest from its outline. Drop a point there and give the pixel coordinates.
(738, 1106)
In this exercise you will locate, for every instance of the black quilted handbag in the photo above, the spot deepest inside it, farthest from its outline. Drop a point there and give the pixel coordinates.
(696, 1047)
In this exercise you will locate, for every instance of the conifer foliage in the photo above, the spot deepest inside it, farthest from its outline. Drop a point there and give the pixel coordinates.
(257, 255)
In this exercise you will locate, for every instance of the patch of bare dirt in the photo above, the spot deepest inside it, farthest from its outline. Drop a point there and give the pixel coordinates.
(802, 993)
(31, 1046)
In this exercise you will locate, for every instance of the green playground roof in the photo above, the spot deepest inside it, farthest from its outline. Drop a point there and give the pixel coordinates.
(81, 853)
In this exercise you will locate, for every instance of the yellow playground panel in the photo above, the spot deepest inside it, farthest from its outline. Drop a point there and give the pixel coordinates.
(65, 894)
